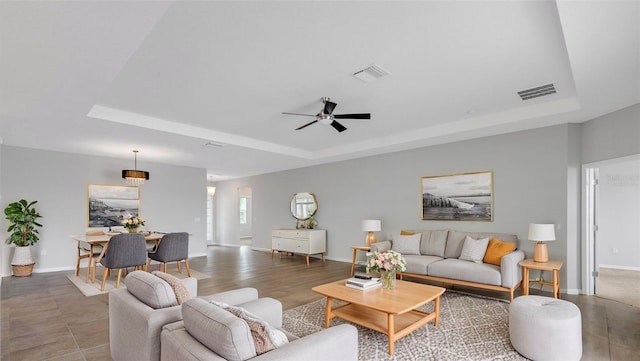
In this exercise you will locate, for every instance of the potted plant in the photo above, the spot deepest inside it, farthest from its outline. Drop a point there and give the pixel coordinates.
(22, 219)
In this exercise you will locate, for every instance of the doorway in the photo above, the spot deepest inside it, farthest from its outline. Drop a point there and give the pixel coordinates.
(612, 229)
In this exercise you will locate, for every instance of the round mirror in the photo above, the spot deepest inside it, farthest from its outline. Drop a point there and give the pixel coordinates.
(303, 206)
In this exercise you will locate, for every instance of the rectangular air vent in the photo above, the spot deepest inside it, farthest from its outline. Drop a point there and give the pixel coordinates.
(370, 73)
(537, 91)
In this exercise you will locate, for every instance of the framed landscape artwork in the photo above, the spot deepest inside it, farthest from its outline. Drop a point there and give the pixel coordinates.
(458, 197)
(107, 205)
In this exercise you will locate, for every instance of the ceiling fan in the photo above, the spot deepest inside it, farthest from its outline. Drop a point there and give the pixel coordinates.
(327, 117)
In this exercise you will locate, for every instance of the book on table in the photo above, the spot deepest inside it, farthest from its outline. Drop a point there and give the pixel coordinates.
(363, 284)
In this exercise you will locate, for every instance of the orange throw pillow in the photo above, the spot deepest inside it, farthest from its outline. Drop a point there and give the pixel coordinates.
(496, 249)
(406, 233)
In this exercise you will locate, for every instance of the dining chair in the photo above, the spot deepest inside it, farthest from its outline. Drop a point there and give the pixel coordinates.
(124, 250)
(89, 251)
(173, 247)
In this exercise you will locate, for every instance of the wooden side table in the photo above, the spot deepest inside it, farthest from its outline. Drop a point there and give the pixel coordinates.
(355, 251)
(553, 266)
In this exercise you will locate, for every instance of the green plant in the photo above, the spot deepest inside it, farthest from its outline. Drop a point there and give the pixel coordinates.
(23, 222)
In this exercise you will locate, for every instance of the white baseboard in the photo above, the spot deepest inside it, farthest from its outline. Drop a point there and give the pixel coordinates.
(627, 268)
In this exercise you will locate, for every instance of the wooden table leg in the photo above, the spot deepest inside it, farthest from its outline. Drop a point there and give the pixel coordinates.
(391, 333)
(353, 262)
(328, 314)
(556, 284)
(436, 309)
(307, 260)
(525, 281)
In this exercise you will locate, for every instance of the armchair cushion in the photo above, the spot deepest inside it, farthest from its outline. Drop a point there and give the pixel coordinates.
(179, 288)
(265, 337)
(218, 329)
(151, 290)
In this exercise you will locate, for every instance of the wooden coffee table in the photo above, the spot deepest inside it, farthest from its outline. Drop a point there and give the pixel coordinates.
(390, 311)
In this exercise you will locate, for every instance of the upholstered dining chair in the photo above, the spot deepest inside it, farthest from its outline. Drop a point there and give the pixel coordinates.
(173, 247)
(124, 250)
(90, 252)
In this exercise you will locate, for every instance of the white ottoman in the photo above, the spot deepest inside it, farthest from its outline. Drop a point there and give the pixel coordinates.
(545, 329)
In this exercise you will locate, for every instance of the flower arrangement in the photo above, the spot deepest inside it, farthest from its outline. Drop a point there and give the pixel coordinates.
(132, 223)
(386, 261)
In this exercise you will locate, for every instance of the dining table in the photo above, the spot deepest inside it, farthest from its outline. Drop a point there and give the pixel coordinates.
(102, 240)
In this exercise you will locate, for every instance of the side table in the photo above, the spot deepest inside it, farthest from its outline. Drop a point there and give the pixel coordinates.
(355, 251)
(553, 266)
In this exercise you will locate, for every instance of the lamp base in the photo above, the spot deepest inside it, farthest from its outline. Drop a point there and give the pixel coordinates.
(371, 238)
(541, 252)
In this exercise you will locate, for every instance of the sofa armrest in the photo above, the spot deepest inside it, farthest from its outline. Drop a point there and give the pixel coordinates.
(510, 271)
(267, 309)
(192, 285)
(334, 343)
(134, 327)
(381, 246)
(234, 297)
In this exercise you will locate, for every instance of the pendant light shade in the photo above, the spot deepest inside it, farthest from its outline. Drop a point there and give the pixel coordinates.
(135, 176)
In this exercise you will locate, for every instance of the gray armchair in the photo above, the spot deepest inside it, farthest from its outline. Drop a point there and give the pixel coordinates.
(123, 250)
(173, 247)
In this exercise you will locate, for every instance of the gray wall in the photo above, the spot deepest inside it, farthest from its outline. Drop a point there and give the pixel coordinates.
(612, 135)
(173, 200)
(533, 173)
(619, 215)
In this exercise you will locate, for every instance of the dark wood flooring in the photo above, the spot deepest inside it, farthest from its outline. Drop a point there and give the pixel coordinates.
(44, 317)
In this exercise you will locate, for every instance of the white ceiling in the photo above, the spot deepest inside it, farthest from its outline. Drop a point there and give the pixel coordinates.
(104, 78)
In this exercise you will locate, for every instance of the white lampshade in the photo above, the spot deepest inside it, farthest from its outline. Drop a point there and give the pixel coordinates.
(371, 225)
(542, 232)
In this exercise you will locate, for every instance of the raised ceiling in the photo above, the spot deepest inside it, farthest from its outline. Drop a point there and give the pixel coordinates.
(103, 78)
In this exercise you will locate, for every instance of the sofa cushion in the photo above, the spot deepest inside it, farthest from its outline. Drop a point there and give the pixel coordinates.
(433, 243)
(455, 241)
(265, 337)
(496, 249)
(179, 288)
(505, 237)
(474, 249)
(218, 329)
(418, 264)
(151, 290)
(406, 245)
(465, 271)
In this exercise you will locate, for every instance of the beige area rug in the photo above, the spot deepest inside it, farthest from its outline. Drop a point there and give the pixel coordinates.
(619, 285)
(470, 328)
(92, 289)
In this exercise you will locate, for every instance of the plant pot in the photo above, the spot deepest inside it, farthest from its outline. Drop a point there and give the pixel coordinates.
(22, 263)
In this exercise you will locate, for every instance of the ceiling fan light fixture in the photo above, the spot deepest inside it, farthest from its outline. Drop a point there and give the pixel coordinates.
(135, 176)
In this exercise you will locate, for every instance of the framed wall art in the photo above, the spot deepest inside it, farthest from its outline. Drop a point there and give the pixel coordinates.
(458, 197)
(107, 205)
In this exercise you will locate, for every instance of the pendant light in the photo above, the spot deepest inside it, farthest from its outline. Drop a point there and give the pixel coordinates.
(135, 176)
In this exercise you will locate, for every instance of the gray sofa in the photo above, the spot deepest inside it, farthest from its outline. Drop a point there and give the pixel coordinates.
(138, 313)
(190, 339)
(437, 259)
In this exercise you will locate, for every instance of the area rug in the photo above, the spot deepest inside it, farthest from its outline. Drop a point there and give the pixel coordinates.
(470, 328)
(92, 289)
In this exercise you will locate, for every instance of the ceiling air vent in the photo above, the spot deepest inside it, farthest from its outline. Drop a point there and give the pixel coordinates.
(370, 73)
(537, 91)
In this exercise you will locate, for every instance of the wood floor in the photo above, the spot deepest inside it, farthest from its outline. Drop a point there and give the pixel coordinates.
(44, 317)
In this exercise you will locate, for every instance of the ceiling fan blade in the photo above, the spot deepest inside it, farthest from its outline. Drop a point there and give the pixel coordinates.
(306, 115)
(329, 107)
(306, 125)
(339, 127)
(353, 116)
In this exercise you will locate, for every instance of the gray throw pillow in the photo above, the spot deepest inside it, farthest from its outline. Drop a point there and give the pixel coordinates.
(407, 244)
(474, 249)
(151, 290)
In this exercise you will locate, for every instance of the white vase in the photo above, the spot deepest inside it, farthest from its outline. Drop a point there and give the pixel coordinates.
(22, 256)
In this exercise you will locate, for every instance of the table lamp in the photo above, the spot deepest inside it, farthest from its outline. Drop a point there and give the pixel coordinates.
(541, 233)
(370, 226)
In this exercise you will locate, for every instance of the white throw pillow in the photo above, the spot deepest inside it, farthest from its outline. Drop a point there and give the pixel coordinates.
(407, 244)
(474, 249)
